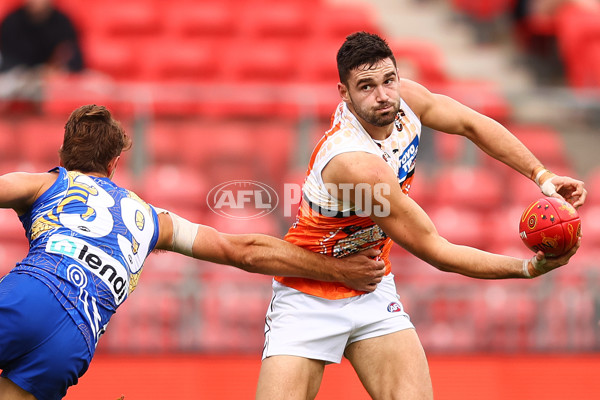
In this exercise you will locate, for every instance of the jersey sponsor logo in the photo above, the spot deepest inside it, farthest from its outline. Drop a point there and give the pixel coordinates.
(394, 307)
(358, 239)
(408, 159)
(242, 199)
(105, 267)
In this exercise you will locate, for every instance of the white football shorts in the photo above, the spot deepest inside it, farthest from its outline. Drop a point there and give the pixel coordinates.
(307, 326)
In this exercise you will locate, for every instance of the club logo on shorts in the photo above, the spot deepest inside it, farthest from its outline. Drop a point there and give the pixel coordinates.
(394, 307)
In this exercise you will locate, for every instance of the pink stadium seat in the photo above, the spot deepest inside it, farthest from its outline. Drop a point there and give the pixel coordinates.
(449, 148)
(325, 70)
(274, 150)
(222, 139)
(469, 187)
(168, 268)
(8, 140)
(276, 19)
(592, 184)
(233, 308)
(419, 60)
(13, 249)
(577, 32)
(118, 59)
(163, 140)
(520, 190)
(197, 143)
(266, 224)
(590, 225)
(262, 61)
(545, 142)
(460, 225)
(39, 140)
(420, 190)
(12, 229)
(483, 96)
(187, 60)
(173, 187)
(66, 92)
(334, 21)
(174, 99)
(199, 19)
(124, 19)
(502, 227)
(255, 99)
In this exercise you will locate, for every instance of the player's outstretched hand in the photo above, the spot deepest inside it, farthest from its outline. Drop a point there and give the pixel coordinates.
(539, 264)
(364, 270)
(569, 189)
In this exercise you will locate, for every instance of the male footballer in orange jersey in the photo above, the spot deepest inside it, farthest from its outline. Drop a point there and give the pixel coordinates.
(355, 197)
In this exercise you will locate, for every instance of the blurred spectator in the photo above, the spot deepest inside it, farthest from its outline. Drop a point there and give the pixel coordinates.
(35, 38)
(37, 34)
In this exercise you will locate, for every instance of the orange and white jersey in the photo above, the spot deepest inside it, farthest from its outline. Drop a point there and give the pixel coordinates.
(329, 226)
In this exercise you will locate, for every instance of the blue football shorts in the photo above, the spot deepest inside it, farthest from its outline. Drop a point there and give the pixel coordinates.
(41, 348)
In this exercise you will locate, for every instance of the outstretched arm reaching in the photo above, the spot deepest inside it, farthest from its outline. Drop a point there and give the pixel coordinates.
(267, 255)
(445, 114)
(410, 227)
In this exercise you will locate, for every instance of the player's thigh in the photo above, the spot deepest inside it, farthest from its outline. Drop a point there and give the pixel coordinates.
(10, 391)
(41, 348)
(392, 366)
(289, 378)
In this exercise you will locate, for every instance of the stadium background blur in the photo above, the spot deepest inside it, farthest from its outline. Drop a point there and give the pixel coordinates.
(219, 91)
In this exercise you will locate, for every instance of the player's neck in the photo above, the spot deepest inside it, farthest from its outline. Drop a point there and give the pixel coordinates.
(378, 132)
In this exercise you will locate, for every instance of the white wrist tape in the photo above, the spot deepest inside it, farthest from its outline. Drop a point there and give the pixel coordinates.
(539, 175)
(184, 233)
(548, 188)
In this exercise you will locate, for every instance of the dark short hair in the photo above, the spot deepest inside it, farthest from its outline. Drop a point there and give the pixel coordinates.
(361, 48)
(92, 139)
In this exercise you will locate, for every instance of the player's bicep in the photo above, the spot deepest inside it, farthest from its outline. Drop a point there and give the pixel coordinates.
(437, 111)
(448, 115)
(410, 227)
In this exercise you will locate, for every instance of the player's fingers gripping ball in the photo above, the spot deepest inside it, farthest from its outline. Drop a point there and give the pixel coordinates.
(550, 225)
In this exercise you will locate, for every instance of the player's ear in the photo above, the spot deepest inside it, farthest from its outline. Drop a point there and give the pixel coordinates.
(343, 91)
